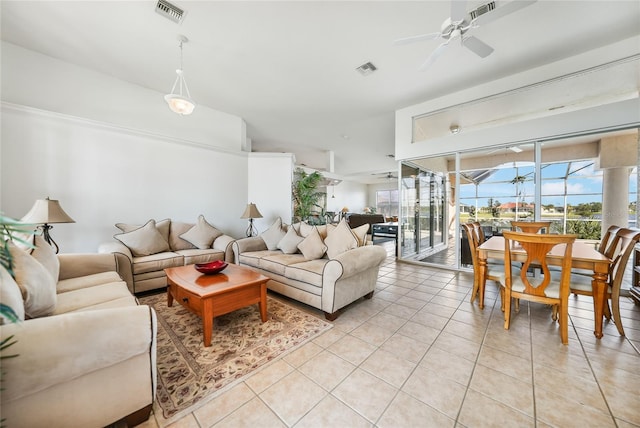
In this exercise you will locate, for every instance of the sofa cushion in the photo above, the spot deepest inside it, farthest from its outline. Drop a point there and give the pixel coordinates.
(84, 298)
(340, 240)
(278, 262)
(144, 241)
(162, 226)
(155, 262)
(44, 253)
(289, 243)
(273, 234)
(202, 234)
(252, 258)
(312, 246)
(36, 284)
(360, 233)
(10, 296)
(71, 284)
(195, 255)
(308, 271)
(175, 241)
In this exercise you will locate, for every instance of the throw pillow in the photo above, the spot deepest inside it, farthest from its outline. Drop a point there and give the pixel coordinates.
(10, 296)
(305, 229)
(202, 234)
(175, 241)
(162, 226)
(36, 285)
(340, 240)
(289, 244)
(45, 254)
(273, 235)
(144, 241)
(361, 234)
(312, 247)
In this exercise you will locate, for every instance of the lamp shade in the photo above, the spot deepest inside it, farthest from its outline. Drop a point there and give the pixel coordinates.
(251, 212)
(46, 211)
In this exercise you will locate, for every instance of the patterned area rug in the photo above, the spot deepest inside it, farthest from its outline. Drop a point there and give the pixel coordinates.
(241, 343)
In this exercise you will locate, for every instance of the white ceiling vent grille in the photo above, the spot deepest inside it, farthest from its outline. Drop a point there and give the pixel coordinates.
(481, 10)
(170, 11)
(366, 68)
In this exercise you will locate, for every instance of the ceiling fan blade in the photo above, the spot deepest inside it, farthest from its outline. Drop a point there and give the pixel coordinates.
(477, 46)
(434, 55)
(419, 38)
(499, 12)
(458, 10)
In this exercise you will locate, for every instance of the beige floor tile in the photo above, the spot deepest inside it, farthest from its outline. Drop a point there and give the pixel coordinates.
(419, 332)
(388, 367)
(429, 319)
(269, 375)
(292, 397)
(401, 311)
(303, 354)
(511, 365)
(457, 345)
(327, 369)
(329, 337)
(189, 421)
(584, 391)
(373, 333)
(437, 391)
(411, 302)
(558, 410)
(475, 333)
(448, 365)
(223, 405)
(437, 309)
(252, 414)
(387, 295)
(387, 320)
(406, 411)
(331, 412)
(511, 343)
(366, 394)
(419, 295)
(352, 349)
(506, 389)
(624, 424)
(479, 410)
(405, 347)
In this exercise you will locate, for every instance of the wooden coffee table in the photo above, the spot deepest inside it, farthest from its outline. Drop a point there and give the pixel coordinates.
(211, 295)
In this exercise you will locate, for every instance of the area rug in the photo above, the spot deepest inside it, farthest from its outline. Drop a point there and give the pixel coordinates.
(189, 373)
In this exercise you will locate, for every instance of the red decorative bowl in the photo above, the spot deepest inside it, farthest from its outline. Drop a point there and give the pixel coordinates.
(211, 267)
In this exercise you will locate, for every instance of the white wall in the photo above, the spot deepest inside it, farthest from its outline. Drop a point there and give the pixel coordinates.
(348, 194)
(269, 187)
(112, 152)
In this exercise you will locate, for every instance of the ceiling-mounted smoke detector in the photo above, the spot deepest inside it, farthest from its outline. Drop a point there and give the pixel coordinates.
(366, 69)
(170, 11)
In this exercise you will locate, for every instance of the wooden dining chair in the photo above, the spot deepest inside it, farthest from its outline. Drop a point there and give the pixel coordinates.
(623, 244)
(543, 289)
(530, 226)
(492, 272)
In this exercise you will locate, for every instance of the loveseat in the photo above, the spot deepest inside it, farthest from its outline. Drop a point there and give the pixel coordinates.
(327, 267)
(143, 251)
(85, 350)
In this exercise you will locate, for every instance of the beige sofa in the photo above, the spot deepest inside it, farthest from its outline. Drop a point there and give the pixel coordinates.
(86, 359)
(143, 252)
(328, 280)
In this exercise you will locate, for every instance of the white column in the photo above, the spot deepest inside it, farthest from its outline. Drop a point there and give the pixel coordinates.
(615, 197)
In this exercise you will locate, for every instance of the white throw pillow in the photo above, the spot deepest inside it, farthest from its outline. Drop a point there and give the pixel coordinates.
(45, 254)
(144, 241)
(202, 234)
(273, 235)
(305, 229)
(162, 226)
(36, 284)
(361, 234)
(340, 240)
(289, 244)
(10, 296)
(312, 247)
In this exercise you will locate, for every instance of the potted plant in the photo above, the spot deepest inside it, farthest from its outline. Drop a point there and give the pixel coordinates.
(306, 195)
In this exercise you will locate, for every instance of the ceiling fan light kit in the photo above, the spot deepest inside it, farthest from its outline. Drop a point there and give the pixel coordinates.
(460, 22)
(180, 102)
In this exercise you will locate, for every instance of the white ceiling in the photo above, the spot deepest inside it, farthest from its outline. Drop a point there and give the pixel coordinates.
(288, 68)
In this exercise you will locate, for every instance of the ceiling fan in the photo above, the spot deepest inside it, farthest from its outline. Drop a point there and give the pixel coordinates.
(460, 22)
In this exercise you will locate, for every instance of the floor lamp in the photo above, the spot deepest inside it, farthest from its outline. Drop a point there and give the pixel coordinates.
(43, 213)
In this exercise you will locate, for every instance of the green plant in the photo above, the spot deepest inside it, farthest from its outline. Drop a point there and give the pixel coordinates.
(306, 195)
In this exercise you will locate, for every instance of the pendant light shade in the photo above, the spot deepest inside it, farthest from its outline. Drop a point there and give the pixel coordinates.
(179, 99)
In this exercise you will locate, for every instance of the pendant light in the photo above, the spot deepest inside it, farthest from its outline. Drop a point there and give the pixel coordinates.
(180, 102)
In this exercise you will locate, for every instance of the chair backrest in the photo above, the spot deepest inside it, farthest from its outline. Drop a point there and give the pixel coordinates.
(607, 246)
(479, 232)
(536, 247)
(625, 240)
(472, 237)
(531, 226)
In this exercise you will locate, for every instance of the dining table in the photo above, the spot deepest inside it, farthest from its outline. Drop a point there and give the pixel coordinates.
(583, 256)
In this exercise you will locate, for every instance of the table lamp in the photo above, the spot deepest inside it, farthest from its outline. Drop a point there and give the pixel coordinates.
(251, 212)
(44, 212)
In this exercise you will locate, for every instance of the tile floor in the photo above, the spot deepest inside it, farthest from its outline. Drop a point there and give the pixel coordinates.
(419, 354)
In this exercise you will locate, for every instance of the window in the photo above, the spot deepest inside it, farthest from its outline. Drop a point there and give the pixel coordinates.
(387, 202)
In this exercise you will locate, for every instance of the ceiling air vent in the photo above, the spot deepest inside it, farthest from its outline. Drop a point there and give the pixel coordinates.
(170, 11)
(366, 68)
(481, 10)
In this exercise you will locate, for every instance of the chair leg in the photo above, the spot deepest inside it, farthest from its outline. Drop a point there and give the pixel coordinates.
(501, 298)
(554, 312)
(607, 311)
(615, 304)
(507, 309)
(517, 305)
(564, 321)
